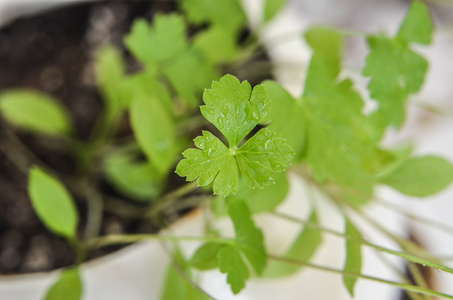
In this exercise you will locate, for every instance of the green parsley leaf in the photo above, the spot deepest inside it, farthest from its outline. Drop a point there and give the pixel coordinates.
(235, 110)
(35, 111)
(69, 286)
(353, 261)
(53, 204)
(157, 43)
(286, 117)
(333, 110)
(187, 83)
(397, 71)
(205, 258)
(417, 26)
(154, 130)
(250, 243)
(302, 249)
(110, 71)
(231, 263)
(218, 44)
(227, 13)
(138, 180)
(420, 176)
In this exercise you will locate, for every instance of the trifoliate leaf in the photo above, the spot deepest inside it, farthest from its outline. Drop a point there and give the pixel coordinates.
(353, 263)
(420, 176)
(235, 110)
(231, 263)
(396, 72)
(248, 237)
(286, 117)
(417, 27)
(226, 13)
(35, 111)
(110, 70)
(340, 139)
(138, 180)
(302, 249)
(272, 7)
(69, 286)
(154, 130)
(187, 83)
(157, 43)
(53, 203)
(249, 243)
(205, 258)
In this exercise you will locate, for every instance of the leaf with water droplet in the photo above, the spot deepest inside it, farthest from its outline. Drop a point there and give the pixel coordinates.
(234, 108)
(260, 157)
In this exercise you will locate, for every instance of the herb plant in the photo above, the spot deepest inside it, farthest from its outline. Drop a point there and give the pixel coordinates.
(251, 139)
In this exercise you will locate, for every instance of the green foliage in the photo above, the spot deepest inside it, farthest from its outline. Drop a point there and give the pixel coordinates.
(110, 71)
(235, 110)
(417, 26)
(177, 285)
(285, 117)
(69, 286)
(132, 178)
(35, 111)
(53, 203)
(353, 263)
(248, 244)
(158, 43)
(303, 248)
(420, 176)
(333, 110)
(154, 130)
(226, 13)
(272, 7)
(397, 71)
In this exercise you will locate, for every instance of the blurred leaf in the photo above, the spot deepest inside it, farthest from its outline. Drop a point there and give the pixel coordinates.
(353, 262)
(138, 180)
(189, 73)
(205, 258)
(155, 131)
(68, 286)
(333, 110)
(417, 27)
(286, 117)
(110, 70)
(159, 42)
(218, 44)
(35, 111)
(228, 13)
(178, 287)
(303, 248)
(53, 203)
(420, 176)
(271, 8)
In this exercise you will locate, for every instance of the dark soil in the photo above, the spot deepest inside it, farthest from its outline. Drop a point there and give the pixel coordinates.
(53, 52)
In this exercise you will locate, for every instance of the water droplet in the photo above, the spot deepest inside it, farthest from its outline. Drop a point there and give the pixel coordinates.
(220, 122)
(209, 151)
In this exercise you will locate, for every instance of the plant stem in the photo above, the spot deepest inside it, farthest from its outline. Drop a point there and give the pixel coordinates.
(115, 239)
(404, 286)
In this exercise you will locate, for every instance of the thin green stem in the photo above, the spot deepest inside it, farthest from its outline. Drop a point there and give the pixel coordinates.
(413, 258)
(407, 287)
(116, 239)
